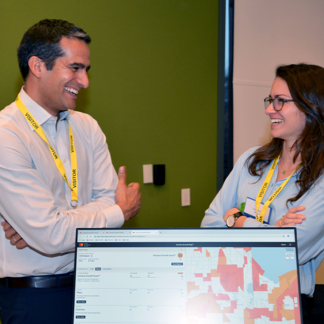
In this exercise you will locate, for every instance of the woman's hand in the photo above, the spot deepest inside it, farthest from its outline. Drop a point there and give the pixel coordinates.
(13, 236)
(292, 218)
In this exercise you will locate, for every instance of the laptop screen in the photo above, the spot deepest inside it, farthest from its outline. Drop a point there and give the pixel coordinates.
(203, 275)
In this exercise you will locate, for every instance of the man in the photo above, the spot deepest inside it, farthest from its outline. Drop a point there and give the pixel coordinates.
(56, 175)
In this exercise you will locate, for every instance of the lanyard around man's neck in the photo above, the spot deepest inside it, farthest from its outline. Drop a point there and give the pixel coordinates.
(264, 187)
(58, 162)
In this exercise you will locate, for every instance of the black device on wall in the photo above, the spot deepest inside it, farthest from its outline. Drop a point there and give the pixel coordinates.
(159, 174)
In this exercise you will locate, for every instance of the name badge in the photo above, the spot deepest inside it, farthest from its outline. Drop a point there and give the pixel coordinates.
(250, 210)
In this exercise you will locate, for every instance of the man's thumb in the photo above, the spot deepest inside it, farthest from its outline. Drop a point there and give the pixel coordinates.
(122, 176)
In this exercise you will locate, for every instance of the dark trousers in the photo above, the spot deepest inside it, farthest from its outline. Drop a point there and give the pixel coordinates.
(313, 308)
(36, 305)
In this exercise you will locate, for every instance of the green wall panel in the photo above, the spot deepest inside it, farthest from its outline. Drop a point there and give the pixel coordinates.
(153, 90)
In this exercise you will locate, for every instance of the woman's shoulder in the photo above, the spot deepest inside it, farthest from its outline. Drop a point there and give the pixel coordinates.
(248, 153)
(241, 161)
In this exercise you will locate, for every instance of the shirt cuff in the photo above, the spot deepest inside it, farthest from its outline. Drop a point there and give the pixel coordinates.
(114, 216)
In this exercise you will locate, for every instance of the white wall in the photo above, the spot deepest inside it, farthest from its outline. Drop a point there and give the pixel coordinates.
(268, 33)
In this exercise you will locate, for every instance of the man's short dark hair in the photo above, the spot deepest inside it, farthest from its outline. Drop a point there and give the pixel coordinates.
(42, 40)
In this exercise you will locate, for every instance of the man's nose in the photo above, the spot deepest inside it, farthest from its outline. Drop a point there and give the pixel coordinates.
(83, 79)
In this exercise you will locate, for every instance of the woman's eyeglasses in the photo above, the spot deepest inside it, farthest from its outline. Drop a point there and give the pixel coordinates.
(278, 103)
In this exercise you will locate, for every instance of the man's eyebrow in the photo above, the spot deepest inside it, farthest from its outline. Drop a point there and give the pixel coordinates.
(79, 65)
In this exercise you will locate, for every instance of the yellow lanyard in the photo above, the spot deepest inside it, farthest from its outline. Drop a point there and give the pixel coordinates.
(58, 162)
(264, 187)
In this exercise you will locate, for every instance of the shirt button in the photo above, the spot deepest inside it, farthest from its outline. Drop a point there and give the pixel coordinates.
(53, 119)
(53, 136)
(64, 160)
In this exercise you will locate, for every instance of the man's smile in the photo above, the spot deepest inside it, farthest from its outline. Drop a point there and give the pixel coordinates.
(72, 90)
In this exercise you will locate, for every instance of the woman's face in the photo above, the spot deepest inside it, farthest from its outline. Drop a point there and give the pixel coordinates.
(289, 122)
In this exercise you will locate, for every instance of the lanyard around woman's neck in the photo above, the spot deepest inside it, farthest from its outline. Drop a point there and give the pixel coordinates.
(264, 187)
(58, 162)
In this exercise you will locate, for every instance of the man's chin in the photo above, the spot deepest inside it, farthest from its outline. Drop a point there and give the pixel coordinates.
(70, 106)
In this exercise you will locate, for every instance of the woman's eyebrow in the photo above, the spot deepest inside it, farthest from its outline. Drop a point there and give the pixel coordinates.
(276, 96)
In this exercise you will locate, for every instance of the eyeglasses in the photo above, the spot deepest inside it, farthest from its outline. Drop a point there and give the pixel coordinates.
(278, 103)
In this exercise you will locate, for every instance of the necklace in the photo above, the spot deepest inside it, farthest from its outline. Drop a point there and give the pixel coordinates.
(288, 170)
(284, 171)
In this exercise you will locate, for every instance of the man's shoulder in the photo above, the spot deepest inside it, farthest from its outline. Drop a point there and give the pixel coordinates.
(81, 117)
(13, 128)
(8, 114)
(85, 124)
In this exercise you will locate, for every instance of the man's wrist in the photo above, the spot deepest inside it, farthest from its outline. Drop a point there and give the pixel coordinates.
(126, 210)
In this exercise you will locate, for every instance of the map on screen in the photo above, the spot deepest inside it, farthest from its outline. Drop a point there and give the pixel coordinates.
(242, 285)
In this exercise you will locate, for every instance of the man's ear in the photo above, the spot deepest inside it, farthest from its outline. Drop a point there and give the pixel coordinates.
(36, 65)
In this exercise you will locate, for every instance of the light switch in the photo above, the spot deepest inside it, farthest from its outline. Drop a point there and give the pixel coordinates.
(147, 173)
(185, 197)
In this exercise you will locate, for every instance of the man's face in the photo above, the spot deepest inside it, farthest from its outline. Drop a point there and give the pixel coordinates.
(59, 87)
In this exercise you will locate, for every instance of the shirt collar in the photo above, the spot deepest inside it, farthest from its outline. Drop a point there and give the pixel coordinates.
(38, 112)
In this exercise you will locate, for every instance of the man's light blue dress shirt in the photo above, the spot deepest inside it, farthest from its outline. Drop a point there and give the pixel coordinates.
(35, 199)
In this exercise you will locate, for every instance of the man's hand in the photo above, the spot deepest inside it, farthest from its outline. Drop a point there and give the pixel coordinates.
(128, 198)
(13, 236)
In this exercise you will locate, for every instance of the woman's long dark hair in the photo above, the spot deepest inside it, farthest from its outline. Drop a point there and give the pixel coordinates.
(306, 86)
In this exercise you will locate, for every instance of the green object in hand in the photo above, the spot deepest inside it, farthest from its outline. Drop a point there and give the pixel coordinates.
(242, 207)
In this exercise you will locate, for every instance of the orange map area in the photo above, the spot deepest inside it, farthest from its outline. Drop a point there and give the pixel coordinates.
(288, 287)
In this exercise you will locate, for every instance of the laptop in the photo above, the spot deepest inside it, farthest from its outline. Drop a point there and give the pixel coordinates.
(186, 275)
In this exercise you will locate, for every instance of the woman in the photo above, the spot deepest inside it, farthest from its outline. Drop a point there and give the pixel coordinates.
(296, 156)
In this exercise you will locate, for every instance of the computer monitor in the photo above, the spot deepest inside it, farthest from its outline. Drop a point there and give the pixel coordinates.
(186, 275)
